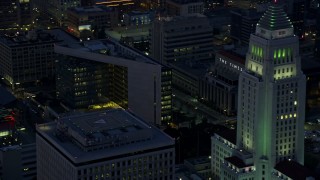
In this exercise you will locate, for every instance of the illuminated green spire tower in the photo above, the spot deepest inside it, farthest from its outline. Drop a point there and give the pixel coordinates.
(271, 98)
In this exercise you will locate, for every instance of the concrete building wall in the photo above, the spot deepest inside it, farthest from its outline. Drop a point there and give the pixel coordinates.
(181, 38)
(220, 149)
(184, 8)
(144, 82)
(153, 165)
(18, 162)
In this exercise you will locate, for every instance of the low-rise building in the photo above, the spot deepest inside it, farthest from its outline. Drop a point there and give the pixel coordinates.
(200, 166)
(222, 145)
(102, 145)
(219, 87)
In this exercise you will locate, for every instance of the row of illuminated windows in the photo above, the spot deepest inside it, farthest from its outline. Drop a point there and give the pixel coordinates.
(80, 93)
(285, 140)
(283, 70)
(287, 116)
(166, 118)
(257, 51)
(282, 53)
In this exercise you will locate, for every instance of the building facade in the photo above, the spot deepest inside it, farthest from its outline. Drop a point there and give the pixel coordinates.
(81, 83)
(138, 18)
(86, 21)
(56, 9)
(219, 86)
(122, 6)
(110, 144)
(223, 143)
(271, 103)
(27, 58)
(134, 81)
(184, 7)
(15, 15)
(243, 23)
(18, 162)
(181, 38)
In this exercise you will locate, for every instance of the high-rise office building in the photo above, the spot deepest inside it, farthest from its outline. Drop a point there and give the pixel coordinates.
(184, 7)
(271, 105)
(123, 75)
(14, 15)
(56, 9)
(243, 23)
(111, 144)
(181, 38)
(27, 58)
(81, 83)
(296, 10)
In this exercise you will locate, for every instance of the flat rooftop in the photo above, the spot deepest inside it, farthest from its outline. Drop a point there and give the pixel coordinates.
(91, 9)
(38, 37)
(108, 123)
(118, 32)
(233, 56)
(187, 17)
(95, 136)
(198, 160)
(228, 134)
(294, 170)
(107, 47)
(194, 69)
(236, 162)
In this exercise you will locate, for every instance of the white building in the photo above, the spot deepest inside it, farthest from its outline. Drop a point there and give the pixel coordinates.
(271, 105)
(144, 83)
(103, 145)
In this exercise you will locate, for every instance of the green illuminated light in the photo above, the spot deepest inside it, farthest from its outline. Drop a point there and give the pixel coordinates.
(279, 53)
(289, 51)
